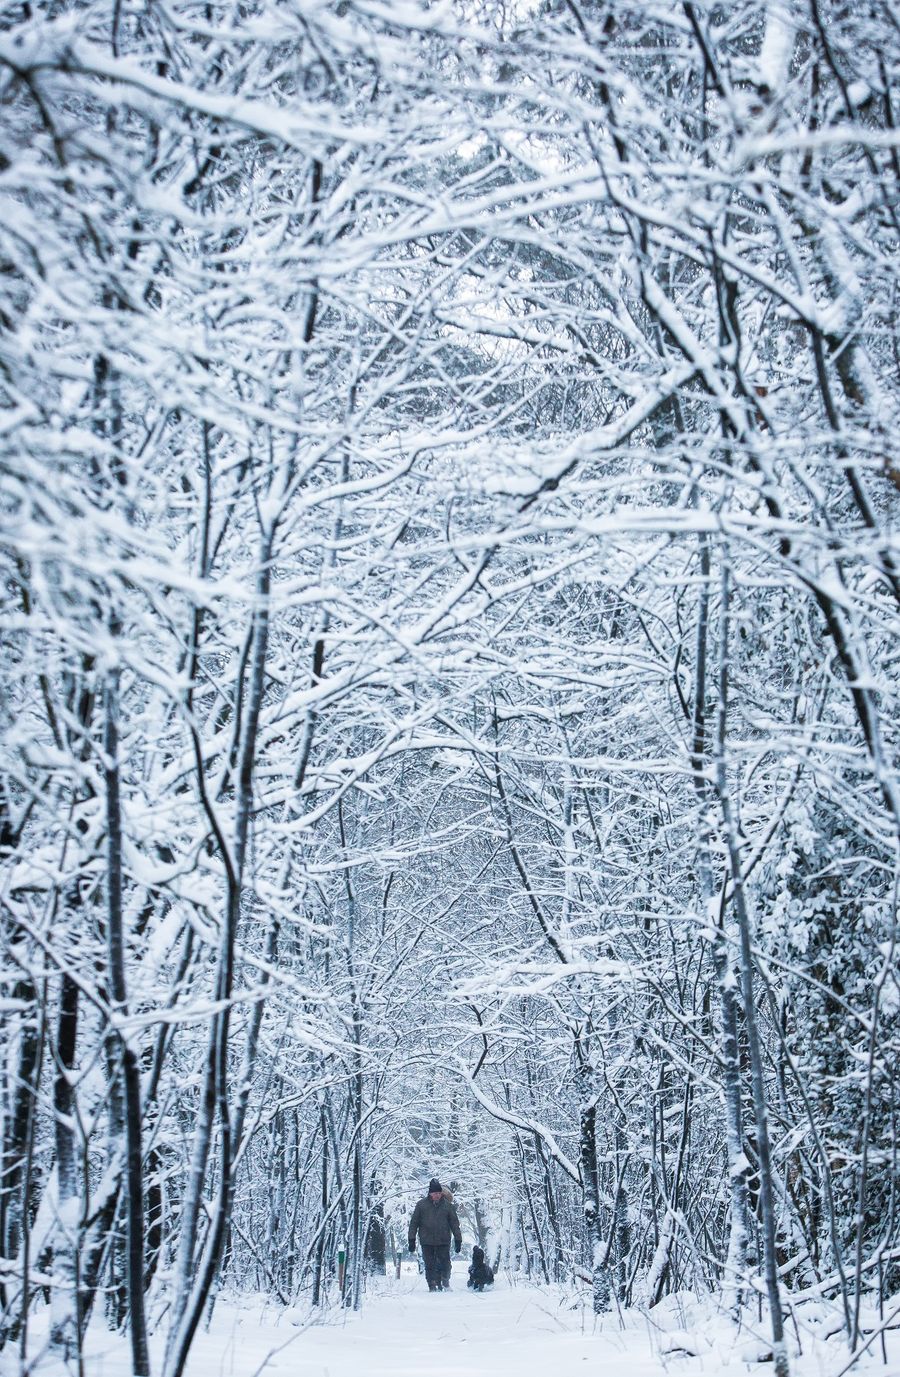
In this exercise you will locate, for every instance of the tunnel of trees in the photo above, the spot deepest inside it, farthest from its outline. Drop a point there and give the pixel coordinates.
(448, 523)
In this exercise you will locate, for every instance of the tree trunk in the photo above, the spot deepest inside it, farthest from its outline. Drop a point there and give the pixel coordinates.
(757, 1078)
(602, 1291)
(17, 1126)
(128, 1061)
(738, 1231)
(65, 1318)
(195, 1277)
(319, 1268)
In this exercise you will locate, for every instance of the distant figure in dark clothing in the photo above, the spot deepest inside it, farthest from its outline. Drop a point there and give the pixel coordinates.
(434, 1220)
(480, 1274)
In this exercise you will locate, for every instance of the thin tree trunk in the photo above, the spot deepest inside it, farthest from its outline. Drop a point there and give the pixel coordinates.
(760, 1113)
(738, 1232)
(353, 1293)
(535, 1223)
(129, 1067)
(17, 1129)
(318, 1273)
(18, 1326)
(602, 1293)
(245, 1081)
(196, 1278)
(621, 1224)
(65, 1320)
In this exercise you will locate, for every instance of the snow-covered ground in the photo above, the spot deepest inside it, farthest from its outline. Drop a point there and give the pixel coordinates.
(511, 1331)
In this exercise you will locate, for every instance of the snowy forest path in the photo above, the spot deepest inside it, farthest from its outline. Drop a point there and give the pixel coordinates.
(511, 1331)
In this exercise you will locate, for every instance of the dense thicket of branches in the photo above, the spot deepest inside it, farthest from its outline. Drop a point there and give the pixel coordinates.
(450, 603)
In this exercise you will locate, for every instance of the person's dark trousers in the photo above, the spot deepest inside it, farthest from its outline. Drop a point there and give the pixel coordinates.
(436, 1257)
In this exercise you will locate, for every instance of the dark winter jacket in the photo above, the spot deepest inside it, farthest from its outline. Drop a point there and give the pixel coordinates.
(480, 1274)
(434, 1223)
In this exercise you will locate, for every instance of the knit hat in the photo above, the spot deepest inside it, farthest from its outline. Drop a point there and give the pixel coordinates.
(434, 1186)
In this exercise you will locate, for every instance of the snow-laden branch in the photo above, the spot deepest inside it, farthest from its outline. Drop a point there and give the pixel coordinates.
(506, 1116)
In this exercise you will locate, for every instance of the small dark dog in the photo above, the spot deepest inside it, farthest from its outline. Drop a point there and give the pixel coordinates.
(480, 1274)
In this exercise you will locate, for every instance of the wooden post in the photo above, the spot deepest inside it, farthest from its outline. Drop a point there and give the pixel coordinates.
(342, 1268)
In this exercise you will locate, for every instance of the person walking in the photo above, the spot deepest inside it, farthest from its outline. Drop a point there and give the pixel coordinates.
(434, 1220)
